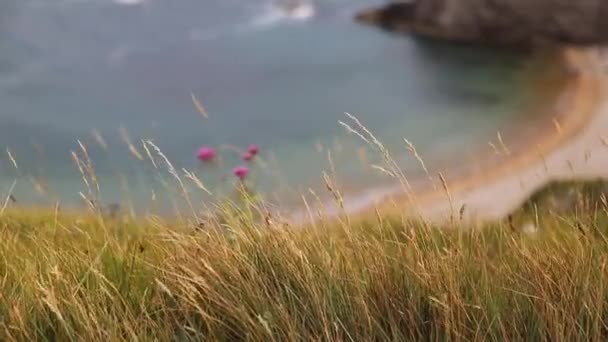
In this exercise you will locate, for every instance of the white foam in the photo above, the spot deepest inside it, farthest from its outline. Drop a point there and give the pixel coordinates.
(129, 2)
(266, 17)
(277, 13)
(303, 11)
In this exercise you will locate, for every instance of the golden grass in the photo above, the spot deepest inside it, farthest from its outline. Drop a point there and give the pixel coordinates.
(242, 276)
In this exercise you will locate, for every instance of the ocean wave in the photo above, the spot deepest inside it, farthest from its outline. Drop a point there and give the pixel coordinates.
(264, 17)
(129, 2)
(276, 13)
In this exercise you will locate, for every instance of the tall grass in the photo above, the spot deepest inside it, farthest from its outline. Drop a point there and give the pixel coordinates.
(72, 277)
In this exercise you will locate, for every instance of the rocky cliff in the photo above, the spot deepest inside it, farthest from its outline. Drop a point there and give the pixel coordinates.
(502, 22)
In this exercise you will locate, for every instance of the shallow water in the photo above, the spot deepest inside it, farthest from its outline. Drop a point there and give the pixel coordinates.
(70, 66)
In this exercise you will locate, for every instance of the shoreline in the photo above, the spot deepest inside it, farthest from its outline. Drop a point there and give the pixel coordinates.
(572, 106)
(577, 107)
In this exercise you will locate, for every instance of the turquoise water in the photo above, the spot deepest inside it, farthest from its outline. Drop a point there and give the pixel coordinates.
(70, 66)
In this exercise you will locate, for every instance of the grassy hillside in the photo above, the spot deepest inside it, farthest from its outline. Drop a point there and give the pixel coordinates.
(540, 275)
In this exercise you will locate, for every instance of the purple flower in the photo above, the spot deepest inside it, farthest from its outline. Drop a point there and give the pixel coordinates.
(253, 149)
(241, 172)
(206, 154)
(247, 156)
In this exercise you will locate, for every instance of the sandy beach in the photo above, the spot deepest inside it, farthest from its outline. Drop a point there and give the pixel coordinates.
(570, 146)
(576, 150)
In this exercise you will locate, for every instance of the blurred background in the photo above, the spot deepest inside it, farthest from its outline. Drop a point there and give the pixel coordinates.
(113, 72)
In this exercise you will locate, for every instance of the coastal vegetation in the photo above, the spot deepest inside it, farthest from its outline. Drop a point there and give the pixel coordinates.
(539, 275)
(237, 270)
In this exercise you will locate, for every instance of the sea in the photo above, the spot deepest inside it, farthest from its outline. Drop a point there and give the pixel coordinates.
(97, 101)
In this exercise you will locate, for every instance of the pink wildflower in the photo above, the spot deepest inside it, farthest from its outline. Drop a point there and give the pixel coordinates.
(247, 156)
(253, 149)
(206, 154)
(241, 172)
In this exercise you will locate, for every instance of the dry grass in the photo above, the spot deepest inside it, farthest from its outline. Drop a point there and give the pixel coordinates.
(66, 277)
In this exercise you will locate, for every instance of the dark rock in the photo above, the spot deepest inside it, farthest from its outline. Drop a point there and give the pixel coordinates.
(497, 22)
(393, 17)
